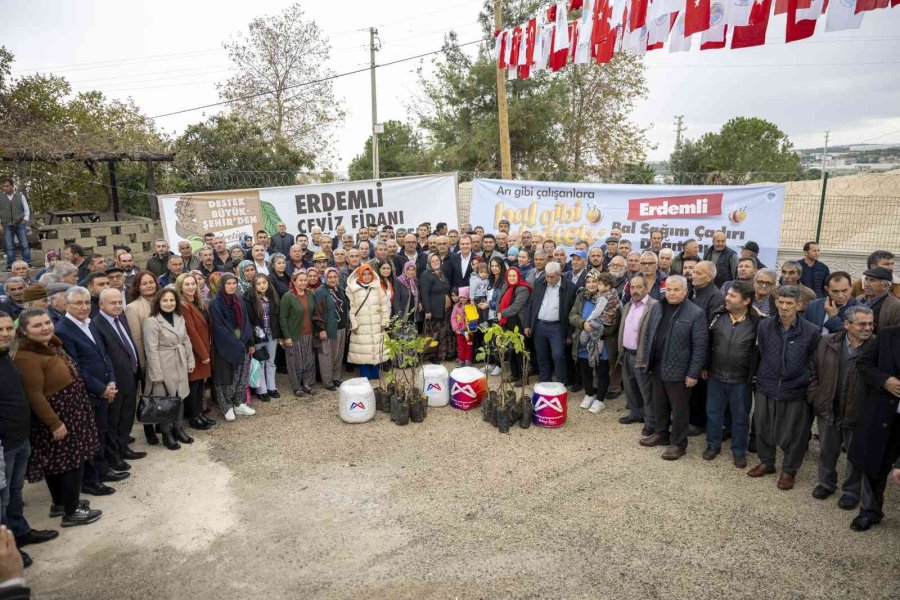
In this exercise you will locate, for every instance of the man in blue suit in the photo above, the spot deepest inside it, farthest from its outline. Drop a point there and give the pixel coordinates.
(84, 344)
(828, 312)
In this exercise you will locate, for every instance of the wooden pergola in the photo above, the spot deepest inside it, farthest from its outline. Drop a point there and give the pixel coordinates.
(91, 157)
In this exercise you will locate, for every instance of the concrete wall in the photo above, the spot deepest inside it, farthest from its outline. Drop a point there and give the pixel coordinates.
(137, 234)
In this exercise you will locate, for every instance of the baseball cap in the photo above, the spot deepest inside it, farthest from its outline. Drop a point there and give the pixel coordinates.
(579, 253)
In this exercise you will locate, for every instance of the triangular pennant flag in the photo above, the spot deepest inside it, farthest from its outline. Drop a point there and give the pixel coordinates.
(754, 33)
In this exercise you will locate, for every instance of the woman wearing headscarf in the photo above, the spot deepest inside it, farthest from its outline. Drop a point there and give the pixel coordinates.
(369, 316)
(63, 431)
(236, 254)
(170, 360)
(142, 291)
(410, 283)
(214, 280)
(296, 315)
(313, 279)
(263, 309)
(196, 322)
(50, 261)
(233, 348)
(330, 321)
(434, 287)
(514, 297)
(247, 245)
(246, 273)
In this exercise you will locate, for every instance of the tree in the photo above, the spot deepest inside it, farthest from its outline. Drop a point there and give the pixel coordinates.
(400, 151)
(228, 151)
(746, 149)
(279, 83)
(562, 125)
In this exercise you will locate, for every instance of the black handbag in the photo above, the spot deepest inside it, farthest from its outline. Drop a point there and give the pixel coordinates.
(261, 353)
(158, 410)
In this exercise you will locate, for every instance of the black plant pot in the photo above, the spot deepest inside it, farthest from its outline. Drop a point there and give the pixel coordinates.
(402, 413)
(423, 399)
(527, 413)
(494, 410)
(379, 399)
(504, 418)
(394, 406)
(487, 405)
(416, 412)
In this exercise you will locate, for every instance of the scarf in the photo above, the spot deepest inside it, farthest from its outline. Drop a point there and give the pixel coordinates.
(232, 301)
(312, 278)
(360, 270)
(243, 283)
(335, 294)
(510, 292)
(410, 283)
(293, 288)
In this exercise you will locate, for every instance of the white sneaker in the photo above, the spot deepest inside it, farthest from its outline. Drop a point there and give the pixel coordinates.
(596, 406)
(495, 371)
(586, 403)
(229, 415)
(243, 409)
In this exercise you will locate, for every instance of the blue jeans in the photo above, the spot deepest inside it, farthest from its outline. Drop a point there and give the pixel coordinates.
(11, 233)
(737, 397)
(11, 496)
(550, 346)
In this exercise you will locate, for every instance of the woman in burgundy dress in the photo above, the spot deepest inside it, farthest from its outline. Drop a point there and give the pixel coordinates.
(64, 434)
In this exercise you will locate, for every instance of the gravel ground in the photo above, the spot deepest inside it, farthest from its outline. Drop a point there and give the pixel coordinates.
(294, 503)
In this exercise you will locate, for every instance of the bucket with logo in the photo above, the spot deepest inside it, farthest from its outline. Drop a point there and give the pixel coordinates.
(468, 387)
(549, 401)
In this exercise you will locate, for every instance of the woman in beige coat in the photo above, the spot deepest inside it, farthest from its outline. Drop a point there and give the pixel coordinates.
(170, 359)
(140, 300)
(370, 314)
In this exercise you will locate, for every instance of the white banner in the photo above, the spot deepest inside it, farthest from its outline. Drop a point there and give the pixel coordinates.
(567, 212)
(400, 202)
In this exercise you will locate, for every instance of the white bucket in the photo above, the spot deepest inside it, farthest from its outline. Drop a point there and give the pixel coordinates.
(434, 382)
(356, 403)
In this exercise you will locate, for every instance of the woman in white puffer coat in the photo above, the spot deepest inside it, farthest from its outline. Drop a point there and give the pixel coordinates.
(370, 314)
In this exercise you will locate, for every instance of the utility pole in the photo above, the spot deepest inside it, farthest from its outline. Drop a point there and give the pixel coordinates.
(502, 110)
(372, 33)
(679, 130)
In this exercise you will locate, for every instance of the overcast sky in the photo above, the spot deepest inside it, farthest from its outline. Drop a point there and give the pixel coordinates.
(167, 55)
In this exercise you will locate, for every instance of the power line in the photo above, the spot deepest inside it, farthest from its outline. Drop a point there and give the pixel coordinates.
(313, 82)
(878, 137)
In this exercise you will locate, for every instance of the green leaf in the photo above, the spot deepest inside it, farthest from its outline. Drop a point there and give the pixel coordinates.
(270, 218)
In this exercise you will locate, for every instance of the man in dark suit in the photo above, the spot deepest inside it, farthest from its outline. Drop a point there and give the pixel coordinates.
(84, 344)
(282, 241)
(876, 443)
(116, 336)
(461, 263)
(548, 321)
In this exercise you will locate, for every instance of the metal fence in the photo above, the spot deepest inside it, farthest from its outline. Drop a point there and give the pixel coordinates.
(848, 212)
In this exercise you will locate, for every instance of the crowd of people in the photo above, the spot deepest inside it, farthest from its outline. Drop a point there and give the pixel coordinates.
(714, 344)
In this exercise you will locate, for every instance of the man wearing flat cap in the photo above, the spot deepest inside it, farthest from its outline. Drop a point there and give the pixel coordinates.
(56, 295)
(751, 250)
(876, 295)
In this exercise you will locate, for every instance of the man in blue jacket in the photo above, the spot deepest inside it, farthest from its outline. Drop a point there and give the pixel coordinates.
(782, 415)
(84, 344)
(815, 272)
(828, 312)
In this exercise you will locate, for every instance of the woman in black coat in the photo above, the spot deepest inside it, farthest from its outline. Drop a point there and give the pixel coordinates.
(434, 291)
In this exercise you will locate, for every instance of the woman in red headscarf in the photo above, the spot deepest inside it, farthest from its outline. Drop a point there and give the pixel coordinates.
(514, 296)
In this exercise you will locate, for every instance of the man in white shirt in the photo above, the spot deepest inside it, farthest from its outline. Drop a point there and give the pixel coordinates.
(14, 217)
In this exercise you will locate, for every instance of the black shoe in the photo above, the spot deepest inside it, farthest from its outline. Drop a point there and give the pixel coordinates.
(97, 490)
(207, 420)
(861, 523)
(119, 465)
(37, 536)
(337, 382)
(182, 437)
(81, 516)
(611, 395)
(263, 397)
(115, 476)
(847, 503)
(58, 510)
(129, 454)
(169, 442)
(821, 492)
(306, 390)
(151, 436)
(198, 423)
(628, 420)
(26, 560)
(330, 388)
(274, 394)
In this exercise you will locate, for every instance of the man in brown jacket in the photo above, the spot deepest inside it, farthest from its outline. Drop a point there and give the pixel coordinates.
(836, 393)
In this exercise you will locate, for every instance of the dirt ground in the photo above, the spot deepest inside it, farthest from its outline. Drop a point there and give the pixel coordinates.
(294, 503)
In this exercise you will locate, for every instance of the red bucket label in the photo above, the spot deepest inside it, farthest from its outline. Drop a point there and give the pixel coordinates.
(468, 386)
(549, 400)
